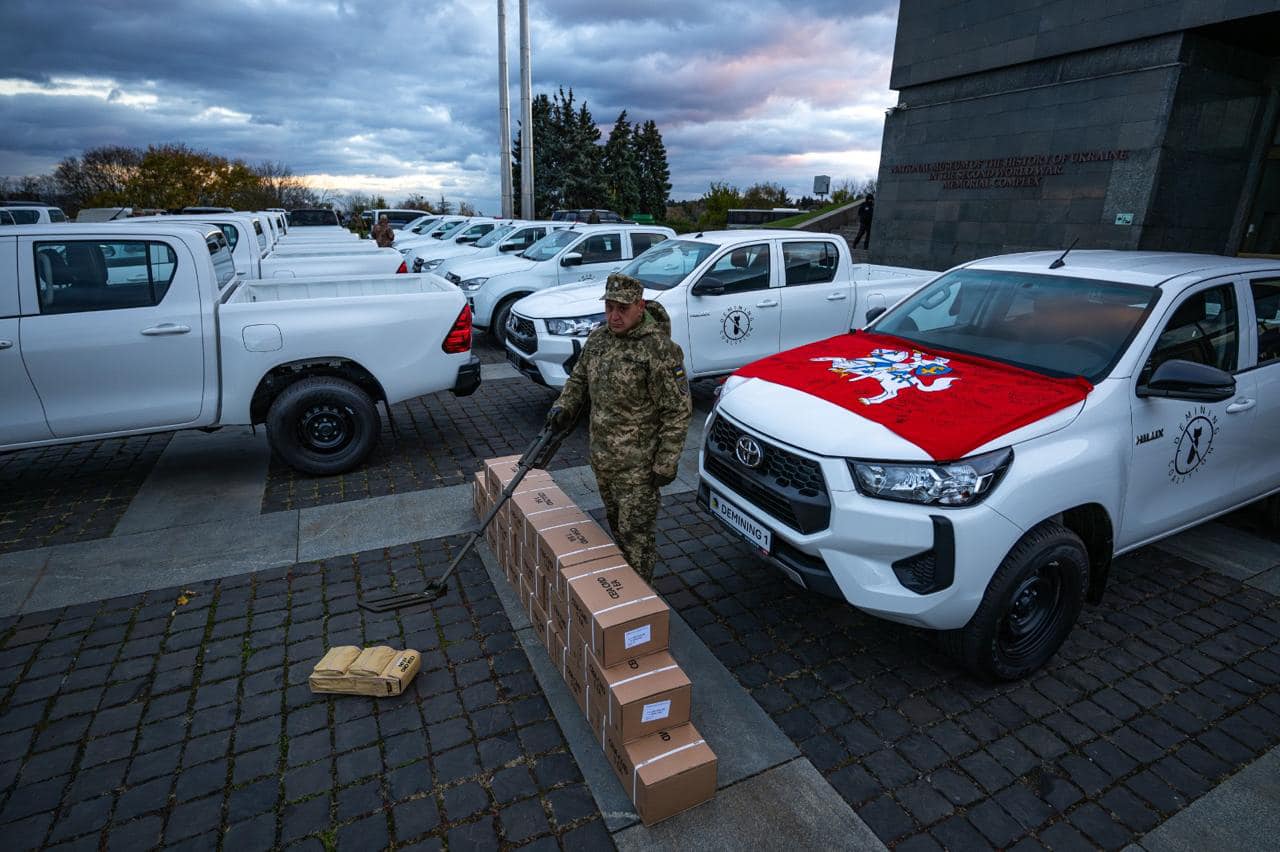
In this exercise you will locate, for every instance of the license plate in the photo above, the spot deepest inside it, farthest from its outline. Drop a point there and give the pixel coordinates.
(740, 522)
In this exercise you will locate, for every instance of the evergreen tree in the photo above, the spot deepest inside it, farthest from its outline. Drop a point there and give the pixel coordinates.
(545, 152)
(654, 175)
(582, 174)
(620, 168)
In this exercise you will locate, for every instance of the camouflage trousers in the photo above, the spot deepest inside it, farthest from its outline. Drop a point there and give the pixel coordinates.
(632, 510)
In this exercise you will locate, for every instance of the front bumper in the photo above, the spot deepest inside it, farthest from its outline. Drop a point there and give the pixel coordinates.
(468, 380)
(922, 565)
(545, 358)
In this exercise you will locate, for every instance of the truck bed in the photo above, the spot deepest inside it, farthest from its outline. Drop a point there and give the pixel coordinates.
(879, 272)
(298, 289)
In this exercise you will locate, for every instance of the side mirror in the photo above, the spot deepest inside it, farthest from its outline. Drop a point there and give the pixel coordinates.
(1189, 381)
(874, 314)
(510, 247)
(108, 251)
(708, 285)
(573, 258)
(465, 240)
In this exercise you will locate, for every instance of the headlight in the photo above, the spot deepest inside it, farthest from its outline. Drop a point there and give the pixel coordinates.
(472, 284)
(432, 264)
(406, 251)
(961, 483)
(575, 326)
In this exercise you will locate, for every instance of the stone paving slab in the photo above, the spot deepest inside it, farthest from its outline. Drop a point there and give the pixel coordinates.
(1161, 692)
(141, 721)
(76, 492)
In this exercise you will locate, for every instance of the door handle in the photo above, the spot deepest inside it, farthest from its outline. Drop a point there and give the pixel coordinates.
(1241, 405)
(837, 297)
(767, 303)
(6, 344)
(166, 328)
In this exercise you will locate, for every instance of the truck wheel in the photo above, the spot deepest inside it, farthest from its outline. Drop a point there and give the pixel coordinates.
(323, 425)
(1029, 607)
(498, 323)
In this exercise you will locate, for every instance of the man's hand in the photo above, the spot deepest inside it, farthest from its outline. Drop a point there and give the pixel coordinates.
(558, 418)
(661, 478)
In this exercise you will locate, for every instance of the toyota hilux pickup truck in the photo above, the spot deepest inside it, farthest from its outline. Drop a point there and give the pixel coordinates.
(109, 330)
(973, 460)
(510, 237)
(733, 297)
(576, 254)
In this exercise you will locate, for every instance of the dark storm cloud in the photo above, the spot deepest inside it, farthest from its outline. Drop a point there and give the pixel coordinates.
(399, 96)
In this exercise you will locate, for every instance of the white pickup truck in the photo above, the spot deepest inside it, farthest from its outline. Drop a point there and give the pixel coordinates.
(445, 228)
(578, 253)
(972, 461)
(110, 330)
(733, 297)
(506, 238)
(255, 257)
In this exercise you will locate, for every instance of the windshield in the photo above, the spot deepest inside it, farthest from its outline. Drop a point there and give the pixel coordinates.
(666, 264)
(1046, 323)
(424, 224)
(446, 229)
(494, 235)
(550, 245)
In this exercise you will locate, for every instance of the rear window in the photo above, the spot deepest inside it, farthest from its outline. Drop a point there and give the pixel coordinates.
(56, 215)
(224, 267)
(232, 233)
(312, 218)
(25, 217)
(75, 276)
(262, 238)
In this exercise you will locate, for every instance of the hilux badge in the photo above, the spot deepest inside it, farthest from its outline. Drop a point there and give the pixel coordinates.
(749, 452)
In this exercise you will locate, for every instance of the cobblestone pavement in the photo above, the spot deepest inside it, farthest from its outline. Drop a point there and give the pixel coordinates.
(138, 722)
(1161, 692)
(442, 440)
(56, 495)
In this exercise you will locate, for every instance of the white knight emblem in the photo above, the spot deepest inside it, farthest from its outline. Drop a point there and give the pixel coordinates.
(895, 370)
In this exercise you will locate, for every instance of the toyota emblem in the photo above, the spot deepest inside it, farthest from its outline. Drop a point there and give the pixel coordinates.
(749, 452)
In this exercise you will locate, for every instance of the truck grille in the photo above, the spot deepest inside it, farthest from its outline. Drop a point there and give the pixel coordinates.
(521, 333)
(789, 487)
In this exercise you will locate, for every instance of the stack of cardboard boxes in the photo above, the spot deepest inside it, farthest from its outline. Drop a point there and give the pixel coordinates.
(606, 631)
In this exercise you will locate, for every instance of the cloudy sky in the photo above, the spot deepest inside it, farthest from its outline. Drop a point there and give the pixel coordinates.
(399, 97)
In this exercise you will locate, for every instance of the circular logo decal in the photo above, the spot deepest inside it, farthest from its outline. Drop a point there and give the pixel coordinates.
(735, 325)
(749, 452)
(1193, 443)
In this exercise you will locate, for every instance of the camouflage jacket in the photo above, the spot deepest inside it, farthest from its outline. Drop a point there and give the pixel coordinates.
(639, 396)
(384, 235)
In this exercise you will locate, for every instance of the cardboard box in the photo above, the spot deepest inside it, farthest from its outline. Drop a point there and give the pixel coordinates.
(571, 544)
(664, 773)
(574, 677)
(479, 494)
(637, 697)
(531, 502)
(560, 579)
(542, 624)
(548, 520)
(377, 671)
(617, 615)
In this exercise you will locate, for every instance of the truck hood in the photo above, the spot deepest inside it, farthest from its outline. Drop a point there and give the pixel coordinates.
(446, 250)
(490, 266)
(572, 300)
(809, 423)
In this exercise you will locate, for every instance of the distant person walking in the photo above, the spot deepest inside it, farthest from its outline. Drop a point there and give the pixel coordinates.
(382, 232)
(356, 223)
(865, 214)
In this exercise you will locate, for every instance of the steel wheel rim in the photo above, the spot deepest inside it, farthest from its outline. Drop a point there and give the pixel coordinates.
(1033, 615)
(326, 428)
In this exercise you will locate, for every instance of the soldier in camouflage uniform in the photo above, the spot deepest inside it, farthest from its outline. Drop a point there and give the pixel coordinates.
(631, 373)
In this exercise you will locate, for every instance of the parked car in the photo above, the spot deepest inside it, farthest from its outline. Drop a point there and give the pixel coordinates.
(34, 214)
(396, 218)
(732, 297)
(313, 217)
(576, 254)
(603, 217)
(974, 460)
(513, 237)
(123, 329)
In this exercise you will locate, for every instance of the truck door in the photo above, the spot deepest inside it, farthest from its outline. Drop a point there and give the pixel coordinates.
(733, 311)
(1188, 456)
(816, 294)
(601, 254)
(21, 416)
(1262, 472)
(116, 343)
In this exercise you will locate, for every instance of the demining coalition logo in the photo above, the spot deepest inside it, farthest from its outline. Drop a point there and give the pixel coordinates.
(1193, 444)
(735, 325)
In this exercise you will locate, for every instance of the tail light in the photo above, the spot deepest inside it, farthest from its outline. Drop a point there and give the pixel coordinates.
(403, 268)
(459, 337)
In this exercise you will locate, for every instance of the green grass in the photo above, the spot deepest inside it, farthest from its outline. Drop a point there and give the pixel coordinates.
(801, 218)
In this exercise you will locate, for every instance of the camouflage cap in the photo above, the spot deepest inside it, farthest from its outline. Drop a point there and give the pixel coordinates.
(623, 289)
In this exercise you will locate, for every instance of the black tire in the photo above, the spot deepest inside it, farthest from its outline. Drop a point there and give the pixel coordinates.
(323, 425)
(498, 322)
(1029, 607)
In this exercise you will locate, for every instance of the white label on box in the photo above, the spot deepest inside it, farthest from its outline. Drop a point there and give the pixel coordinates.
(639, 636)
(655, 711)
